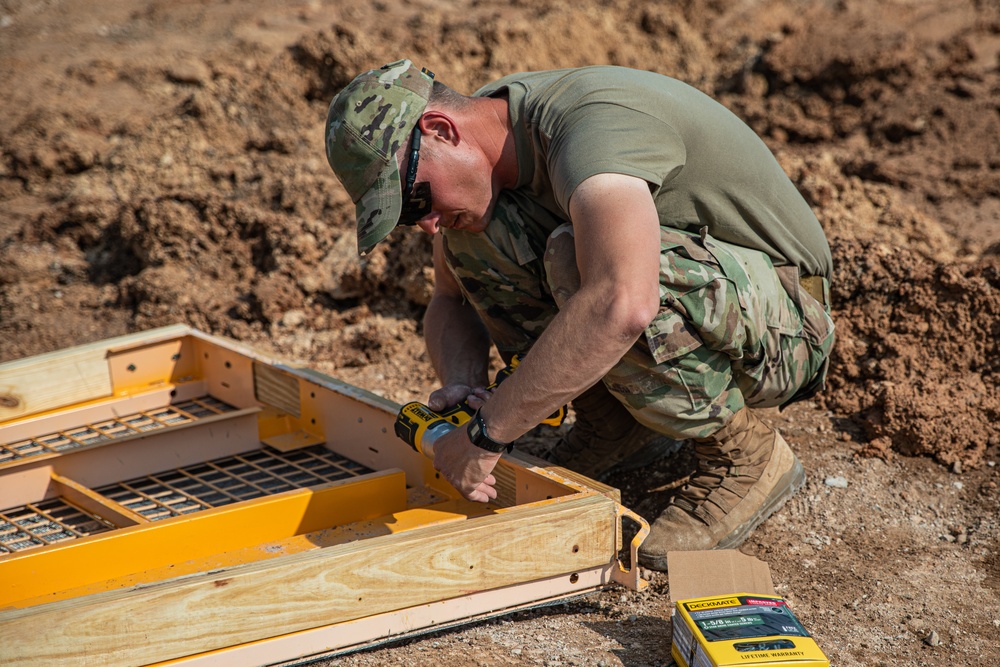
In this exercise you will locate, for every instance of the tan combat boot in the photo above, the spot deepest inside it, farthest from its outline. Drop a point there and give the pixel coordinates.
(746, 471)
(606, 438)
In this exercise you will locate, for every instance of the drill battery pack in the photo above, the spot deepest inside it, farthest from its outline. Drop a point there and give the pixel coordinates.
(741, 629)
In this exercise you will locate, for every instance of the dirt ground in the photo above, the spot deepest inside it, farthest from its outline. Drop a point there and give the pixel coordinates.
(162, 162)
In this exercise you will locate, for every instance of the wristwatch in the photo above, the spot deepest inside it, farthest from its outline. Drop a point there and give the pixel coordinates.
(481, 439)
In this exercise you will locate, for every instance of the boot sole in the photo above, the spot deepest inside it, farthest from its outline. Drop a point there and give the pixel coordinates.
(789, 478)
(786, 487)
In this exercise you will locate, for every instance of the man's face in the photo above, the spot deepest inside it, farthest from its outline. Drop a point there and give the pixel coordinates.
(462, 194)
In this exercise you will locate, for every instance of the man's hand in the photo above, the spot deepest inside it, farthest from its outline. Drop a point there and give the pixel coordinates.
(453, 394)
(466, 467)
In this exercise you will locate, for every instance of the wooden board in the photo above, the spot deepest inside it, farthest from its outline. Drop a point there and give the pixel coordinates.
(49, 381)
(52, 383)
(331, 640)
(302, 591)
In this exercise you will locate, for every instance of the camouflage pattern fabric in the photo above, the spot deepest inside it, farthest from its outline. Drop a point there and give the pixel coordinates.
(366, 125)
(728, 334)
(501, 273)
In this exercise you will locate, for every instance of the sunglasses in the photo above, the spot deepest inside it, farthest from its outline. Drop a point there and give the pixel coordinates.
(416, 196)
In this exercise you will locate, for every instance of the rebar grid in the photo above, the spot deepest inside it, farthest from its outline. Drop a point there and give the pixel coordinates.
(254, 474)
(46, 522)
(110, 429)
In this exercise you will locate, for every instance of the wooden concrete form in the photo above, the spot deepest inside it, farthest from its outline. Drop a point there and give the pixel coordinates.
(321, 569)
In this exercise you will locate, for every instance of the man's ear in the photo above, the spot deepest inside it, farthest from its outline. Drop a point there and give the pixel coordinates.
(439, 125)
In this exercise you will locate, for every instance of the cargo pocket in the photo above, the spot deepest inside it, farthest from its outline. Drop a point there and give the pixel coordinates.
(670, 336)
(765, 302)
(685, 268)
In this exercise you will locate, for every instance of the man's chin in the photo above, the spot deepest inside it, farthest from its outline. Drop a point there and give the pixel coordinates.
(468, 223)
(487, 218)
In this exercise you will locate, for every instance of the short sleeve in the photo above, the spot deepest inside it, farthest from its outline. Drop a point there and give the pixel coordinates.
(604, 137)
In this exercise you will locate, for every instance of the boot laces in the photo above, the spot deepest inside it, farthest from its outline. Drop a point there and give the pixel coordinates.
(713, 467)
(718, 470)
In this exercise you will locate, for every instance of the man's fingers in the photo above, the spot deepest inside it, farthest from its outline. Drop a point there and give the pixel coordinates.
(466, 467)
(478, 397)
(453, 394)
(445, 397)
(482, 494)
(487, 488)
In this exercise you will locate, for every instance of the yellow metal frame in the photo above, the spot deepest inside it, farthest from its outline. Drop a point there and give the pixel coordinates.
(358, 555)
(206, 540)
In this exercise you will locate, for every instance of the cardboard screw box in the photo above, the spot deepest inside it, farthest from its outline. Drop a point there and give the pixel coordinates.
(726, 613)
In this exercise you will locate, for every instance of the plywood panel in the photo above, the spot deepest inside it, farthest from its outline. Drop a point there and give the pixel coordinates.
(277, 388)
(506, 484)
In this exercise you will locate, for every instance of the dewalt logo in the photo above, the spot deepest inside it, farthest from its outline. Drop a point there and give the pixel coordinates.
(712, 604)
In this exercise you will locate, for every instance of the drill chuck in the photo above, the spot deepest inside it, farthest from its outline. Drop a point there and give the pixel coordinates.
(431, 434)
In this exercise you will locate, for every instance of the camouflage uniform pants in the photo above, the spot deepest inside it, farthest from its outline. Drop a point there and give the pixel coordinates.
(731, 331)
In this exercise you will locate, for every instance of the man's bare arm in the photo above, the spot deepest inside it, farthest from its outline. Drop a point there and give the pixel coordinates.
(616, 227)
(456, 339)
(618, 253)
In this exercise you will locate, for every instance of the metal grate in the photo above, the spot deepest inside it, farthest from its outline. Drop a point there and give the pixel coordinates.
(47, 522)
(254, 474)
(119, 427)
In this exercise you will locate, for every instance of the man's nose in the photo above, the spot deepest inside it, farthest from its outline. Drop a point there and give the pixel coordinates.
(430, 223)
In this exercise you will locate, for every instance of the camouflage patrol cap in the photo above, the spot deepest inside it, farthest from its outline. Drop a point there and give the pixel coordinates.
(368, 121)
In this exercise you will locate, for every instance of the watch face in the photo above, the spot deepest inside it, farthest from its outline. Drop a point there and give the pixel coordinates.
(479, 437)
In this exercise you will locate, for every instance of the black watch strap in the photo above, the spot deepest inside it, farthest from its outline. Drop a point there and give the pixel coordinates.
(480, 438)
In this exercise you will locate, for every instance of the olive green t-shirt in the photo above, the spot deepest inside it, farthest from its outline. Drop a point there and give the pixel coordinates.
(705, 167)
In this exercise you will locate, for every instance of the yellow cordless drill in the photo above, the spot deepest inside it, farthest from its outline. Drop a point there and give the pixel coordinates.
(420, 427)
